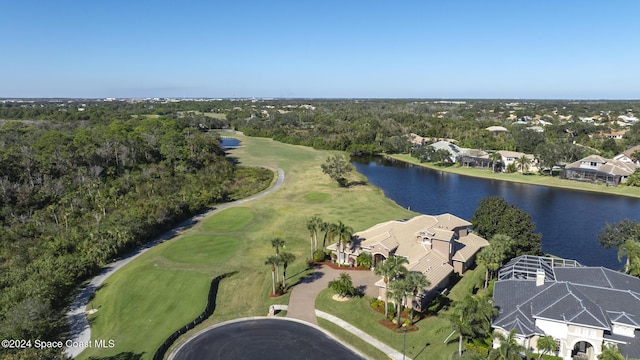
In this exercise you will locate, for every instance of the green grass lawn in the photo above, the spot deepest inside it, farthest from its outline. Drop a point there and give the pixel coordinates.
(143, 303)
(426, 343)
(433, 330)
(533, 179)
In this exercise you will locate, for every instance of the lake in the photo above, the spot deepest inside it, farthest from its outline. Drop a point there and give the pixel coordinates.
(569, 220)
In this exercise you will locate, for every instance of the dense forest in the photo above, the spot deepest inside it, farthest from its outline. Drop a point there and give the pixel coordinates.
(80, 188)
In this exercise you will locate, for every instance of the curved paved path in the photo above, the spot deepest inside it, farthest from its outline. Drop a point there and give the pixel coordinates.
(77, 317)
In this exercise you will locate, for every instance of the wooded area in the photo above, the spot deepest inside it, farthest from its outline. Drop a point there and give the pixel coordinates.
(83, 188)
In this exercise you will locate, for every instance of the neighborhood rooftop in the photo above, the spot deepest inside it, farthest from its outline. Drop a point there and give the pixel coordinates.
(537, 296)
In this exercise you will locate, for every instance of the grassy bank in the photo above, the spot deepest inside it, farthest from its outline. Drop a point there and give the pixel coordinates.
(143, 303)
(533, 179)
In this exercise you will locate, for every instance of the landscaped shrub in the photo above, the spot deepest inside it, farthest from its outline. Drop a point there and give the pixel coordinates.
(478, 349)
(343, 285)
(364, 260)
(377, 304)
(319, 256)
(438, 304)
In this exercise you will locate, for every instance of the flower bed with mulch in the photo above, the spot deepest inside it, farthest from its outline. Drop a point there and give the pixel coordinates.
(390, 324)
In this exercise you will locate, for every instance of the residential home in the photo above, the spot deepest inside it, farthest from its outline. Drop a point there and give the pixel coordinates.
(417, 140)
(454, 150)
(629, 118)
(596, 169)
(582, 308)
(537, 129)
(629, 155)
(436, 246)
(476, 159)
(509, 157)
(497, 129)
(616, 135)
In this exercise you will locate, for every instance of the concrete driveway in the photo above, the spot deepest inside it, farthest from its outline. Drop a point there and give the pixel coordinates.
(303, 295)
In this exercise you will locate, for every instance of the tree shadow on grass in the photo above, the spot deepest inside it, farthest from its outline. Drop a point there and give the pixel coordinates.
(122, 356)
(423, 349)
(356, 183)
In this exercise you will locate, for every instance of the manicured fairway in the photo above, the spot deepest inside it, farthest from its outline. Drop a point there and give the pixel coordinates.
(159, 292)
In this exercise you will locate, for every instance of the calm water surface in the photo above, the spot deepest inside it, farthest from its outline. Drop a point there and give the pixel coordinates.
(227, 142)
(569, 221)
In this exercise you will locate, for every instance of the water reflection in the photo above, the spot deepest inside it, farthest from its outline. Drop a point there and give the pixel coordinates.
(569, 221)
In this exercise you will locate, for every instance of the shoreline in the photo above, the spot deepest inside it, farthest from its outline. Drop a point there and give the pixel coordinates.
(538, 180)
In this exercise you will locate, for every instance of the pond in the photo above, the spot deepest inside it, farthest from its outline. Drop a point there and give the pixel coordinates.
(569, 220)
(228, 142)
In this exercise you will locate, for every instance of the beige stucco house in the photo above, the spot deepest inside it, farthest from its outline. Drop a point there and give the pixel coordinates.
(509, 157)
(595, 168)
(437, 246)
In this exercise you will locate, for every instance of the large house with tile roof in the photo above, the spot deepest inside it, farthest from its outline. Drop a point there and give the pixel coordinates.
(582, 308)
(437, 246)
(595, 168)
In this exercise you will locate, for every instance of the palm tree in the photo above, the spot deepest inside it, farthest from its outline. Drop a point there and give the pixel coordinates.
(277, 243)
(522, 163)
(286, 258)
(610, 352)
(365, 260)
(509, 348)
(344, 234)
(399, 290)
(630, 249)
(329, 233)
(343, 285)
(458, 324)
(390, 269)
(495, 157)
(274, 262)
(471, 317)
(546, 344)
(417, 283)
(313, 225)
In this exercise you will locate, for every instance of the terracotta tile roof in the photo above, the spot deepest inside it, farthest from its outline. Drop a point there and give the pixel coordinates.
(434, 268)
(405, 238)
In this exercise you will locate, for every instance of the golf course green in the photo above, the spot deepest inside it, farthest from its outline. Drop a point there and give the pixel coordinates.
(166, 287)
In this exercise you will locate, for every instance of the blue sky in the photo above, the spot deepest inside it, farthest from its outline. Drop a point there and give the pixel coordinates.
(407, 49)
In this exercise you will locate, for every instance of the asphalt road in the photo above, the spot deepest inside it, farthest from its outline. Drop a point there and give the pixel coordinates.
(263, 339)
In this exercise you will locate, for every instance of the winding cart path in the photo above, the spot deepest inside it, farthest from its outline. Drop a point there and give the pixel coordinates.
(77, 316)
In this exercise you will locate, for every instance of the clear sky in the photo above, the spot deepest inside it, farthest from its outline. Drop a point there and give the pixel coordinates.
(570, 49)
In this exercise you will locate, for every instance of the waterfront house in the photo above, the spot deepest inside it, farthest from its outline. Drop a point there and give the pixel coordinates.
(436, 246)
(509, 157)
(583, 308)
(454, 150)
(596, 169)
